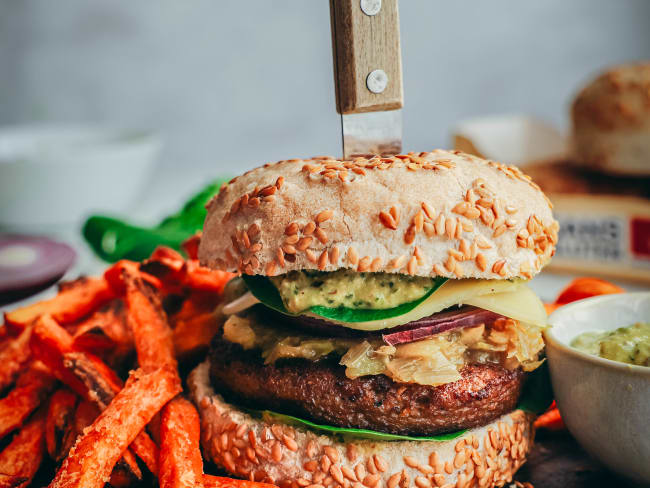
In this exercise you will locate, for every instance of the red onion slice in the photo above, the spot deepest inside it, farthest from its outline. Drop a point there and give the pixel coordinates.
(29, 261)
(466, 316)
(437, 323)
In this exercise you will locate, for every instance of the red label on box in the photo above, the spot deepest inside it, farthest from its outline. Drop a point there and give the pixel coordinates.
(640, 237)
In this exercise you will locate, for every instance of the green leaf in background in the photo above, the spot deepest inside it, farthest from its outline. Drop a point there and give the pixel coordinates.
(262, 288)
(113, 239)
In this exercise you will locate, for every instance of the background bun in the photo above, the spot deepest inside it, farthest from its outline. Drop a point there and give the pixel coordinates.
(611, 121)
(296, 458)
(437, 213)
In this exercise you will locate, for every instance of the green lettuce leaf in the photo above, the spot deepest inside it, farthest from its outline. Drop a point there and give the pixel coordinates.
(262, 288)
(348, 432)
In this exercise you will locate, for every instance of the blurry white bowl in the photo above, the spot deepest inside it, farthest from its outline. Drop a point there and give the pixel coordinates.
(605, 404)
(58, 174)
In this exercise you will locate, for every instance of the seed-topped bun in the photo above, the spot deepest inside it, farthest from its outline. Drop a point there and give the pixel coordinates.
(438, 213)
(611, 121)
(292, 456)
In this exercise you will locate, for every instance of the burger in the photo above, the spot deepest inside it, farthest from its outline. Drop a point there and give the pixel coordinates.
(380, 332)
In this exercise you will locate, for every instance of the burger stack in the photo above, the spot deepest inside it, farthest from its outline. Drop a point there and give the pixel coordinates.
(381, 331)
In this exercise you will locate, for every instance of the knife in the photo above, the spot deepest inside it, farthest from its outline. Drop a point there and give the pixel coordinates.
(368, 75)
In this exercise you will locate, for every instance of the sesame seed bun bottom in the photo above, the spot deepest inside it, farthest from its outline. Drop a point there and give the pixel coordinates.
(293, 457)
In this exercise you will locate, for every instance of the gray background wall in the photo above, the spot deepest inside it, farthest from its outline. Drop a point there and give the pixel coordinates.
(231, 84)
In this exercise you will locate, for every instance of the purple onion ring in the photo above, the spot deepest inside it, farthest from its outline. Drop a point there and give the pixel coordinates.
(416, 330)
(437, 323)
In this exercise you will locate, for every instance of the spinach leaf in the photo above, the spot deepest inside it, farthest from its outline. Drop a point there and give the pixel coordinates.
(262, 289)
(346, 432)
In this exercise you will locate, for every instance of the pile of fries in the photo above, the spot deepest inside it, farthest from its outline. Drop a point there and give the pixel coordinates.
(90, 387)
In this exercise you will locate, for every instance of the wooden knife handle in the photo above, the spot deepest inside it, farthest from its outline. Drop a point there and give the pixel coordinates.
(363, 43)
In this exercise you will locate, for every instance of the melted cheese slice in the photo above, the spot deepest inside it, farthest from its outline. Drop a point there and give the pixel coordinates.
(452, 292)
(521, 304)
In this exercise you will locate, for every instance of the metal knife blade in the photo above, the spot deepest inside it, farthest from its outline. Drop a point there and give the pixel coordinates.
(372, 133)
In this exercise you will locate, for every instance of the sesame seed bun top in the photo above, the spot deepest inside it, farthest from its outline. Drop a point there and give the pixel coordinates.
(611, 121)
(438, 213)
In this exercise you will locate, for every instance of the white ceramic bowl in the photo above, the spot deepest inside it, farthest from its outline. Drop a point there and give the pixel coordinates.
(605, 404)
(58, 174)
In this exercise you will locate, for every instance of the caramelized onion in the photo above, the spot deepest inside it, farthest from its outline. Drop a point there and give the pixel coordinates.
(413, 331)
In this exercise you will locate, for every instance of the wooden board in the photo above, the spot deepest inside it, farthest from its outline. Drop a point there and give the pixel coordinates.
(557, 461)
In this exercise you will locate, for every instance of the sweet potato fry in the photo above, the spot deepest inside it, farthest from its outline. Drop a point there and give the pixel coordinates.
(49, 342)
(126, 471)
(210, 481)
(59, 421)
(151, 332)
(550, 420)
(84, 373)
(584, 288)
(14, 355)
(84, 415)
(92, 458)
(195, 304)
(113, 275)
(181, 465)
(192, 337)
(177, 274)
(102, 385)
(100, 382)
(122, 476)
(168, 257)
(23, 456)
(147, 450)
(199, 278)
(9, 481)
(191, 246)
(30, 391)
(74, 301)
(106, 333)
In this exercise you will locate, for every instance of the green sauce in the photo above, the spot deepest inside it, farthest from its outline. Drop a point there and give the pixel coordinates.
(629, 345)
(301, 290)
